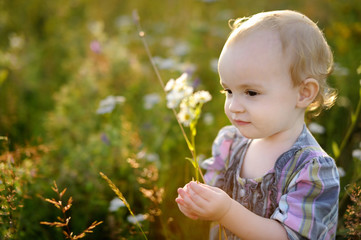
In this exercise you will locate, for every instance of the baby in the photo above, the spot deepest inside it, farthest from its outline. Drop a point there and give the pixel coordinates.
(268, 177)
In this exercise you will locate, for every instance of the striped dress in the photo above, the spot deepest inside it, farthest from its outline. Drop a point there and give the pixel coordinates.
(301, 191)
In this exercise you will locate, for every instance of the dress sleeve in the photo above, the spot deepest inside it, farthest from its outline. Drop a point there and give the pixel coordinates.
(308, 209)
(221, 147)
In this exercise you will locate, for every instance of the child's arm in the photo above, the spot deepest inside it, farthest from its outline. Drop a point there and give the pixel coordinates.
(211, 203)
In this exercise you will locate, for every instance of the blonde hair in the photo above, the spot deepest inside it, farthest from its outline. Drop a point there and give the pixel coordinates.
(311, 55)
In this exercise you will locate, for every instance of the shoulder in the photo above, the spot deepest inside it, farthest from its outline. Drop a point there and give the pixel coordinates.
(309, 188)
(305, 151)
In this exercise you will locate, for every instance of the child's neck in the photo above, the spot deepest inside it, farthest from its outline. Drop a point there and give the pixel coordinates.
(263, 153)
(284, 139)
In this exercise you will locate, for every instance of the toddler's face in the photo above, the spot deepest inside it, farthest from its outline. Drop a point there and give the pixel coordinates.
(260, 96)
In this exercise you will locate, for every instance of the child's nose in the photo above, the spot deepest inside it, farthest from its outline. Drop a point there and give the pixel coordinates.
(236, 105)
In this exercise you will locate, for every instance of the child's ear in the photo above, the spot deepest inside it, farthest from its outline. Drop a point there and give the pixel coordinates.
(308, 91)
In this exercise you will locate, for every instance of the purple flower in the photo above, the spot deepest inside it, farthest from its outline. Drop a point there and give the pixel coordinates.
(95, 46)
(105, 139)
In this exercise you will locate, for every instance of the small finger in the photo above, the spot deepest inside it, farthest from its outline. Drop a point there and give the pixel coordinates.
(192, 201)
(180, 201)
(187, 212)
(204, 191)
(185, 196)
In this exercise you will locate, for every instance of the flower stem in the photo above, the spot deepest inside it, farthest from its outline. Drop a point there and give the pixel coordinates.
(191, 144)
(149, 54)
(354, 117)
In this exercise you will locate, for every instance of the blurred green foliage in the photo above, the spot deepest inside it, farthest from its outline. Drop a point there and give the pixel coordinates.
(60, 59)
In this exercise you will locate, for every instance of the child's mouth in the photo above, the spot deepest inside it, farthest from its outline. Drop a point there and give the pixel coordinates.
(240, 122)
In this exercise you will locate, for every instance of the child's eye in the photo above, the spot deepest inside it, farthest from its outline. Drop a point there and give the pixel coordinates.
(251, 93)
(226, 91)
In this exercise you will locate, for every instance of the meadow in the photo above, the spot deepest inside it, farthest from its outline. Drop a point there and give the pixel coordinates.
(79, 97)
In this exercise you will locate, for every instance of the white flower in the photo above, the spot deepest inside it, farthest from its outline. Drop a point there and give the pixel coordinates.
(186, 115)
(181, 49)
(108, 104)
(136, 218)
(150, 100)
(188, 102)
(316, 128)
(174, 98)
(177, 90)
(97, 29)
(115, 204)
(170, 85)
(202, 97)
(124, 21)
(179, 84)
(208, 118)
(152, 157)
(356, 154)
(341, 172)
(16, 41)
(186, 67)
(165, 63)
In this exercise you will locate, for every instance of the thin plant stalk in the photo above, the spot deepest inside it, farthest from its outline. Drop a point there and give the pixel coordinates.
(190, 144)
(121, 197)
(354, 118)
(338, 150)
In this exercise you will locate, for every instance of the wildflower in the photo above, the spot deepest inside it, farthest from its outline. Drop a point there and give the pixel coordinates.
(165, 63)
(177, 90)
(186, 116)
(136, 218)
(152, 157)
(177, 84)
(95, 47)
(16, 41)
(208, 118)
(202, 97)
(196, 83)
(316, 128)
(188, 106)
(186, 67)
(356, 154)
(115, 204)
(105, 139)
(181, 49)
(150, 100)
(108, 104)
(97, 30)
(123, 22)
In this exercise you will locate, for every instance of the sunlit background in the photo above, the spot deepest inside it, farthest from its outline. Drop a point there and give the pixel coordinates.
(79, 96)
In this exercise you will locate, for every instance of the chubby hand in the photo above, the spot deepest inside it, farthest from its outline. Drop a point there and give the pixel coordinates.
(200, 201)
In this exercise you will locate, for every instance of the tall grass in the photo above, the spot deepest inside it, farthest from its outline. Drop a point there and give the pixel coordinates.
(59, 60)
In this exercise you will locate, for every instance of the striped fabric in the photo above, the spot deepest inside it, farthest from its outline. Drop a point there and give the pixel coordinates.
(301, 191)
